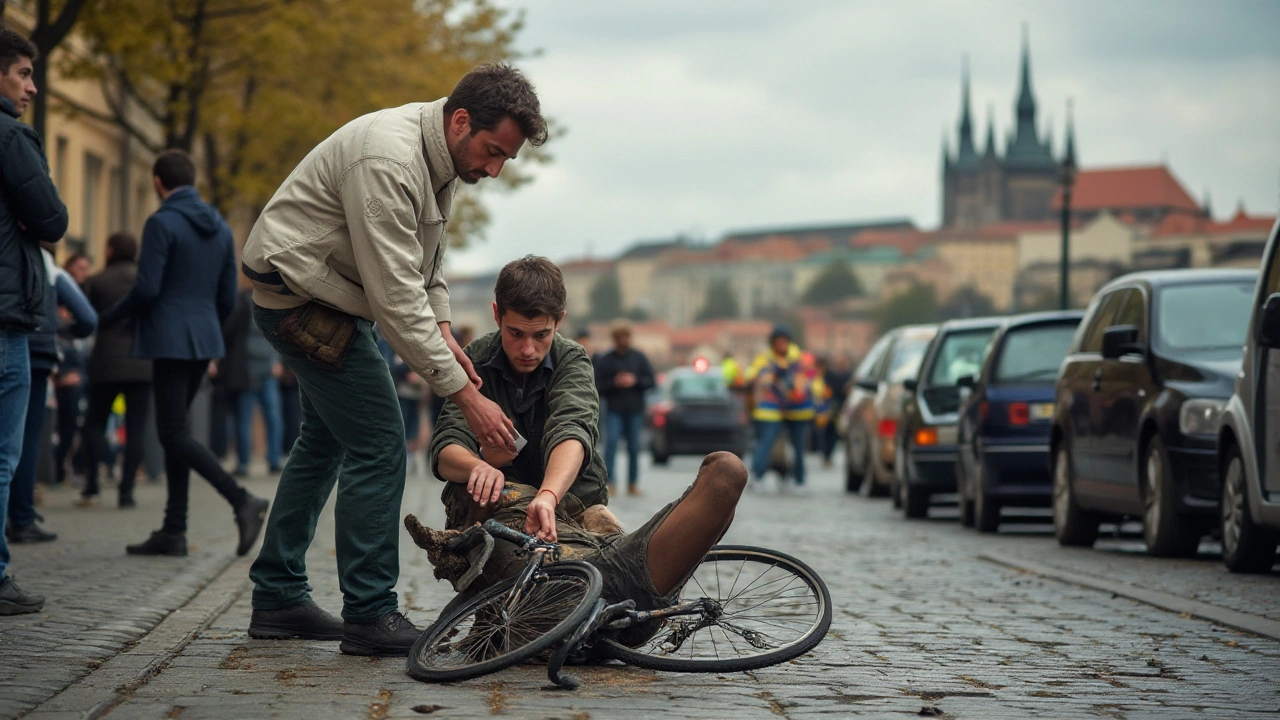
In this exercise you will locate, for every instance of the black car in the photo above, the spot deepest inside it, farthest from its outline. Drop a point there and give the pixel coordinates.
(1138, 401)
(925, 459)
(1004, 425)
(696, 413)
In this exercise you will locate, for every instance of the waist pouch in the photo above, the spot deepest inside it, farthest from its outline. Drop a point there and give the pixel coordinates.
(321, 332)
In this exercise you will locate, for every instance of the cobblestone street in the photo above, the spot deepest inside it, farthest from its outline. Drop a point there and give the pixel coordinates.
(930, 619)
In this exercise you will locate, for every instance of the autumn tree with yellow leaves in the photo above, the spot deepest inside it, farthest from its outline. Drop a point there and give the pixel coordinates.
(251, 86)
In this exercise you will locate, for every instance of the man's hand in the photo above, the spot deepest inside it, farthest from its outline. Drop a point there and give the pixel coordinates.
(496, 456)
(624, 380)
(462, 359)
(540, 518)
(485, 484)
(277, 370)
(485, 419)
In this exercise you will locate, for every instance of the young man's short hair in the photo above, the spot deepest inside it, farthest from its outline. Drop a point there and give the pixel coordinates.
(493, 91)
(175, 168)
(13, 46)
(123, 245)
(532, 286)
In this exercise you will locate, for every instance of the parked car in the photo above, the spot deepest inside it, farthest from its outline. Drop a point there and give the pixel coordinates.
(869, 416)
(695, 413)
(1004, 425)
(925, 458)
(1137, 404)
(1250, 465)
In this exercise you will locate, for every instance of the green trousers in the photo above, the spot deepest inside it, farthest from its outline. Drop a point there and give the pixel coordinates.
(352, 435)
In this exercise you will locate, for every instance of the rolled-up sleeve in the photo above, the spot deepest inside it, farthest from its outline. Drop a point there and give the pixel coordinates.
(574, 406)
(450, 429)
(383, 220)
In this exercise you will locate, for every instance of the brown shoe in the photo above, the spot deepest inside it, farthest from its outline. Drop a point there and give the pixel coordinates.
(87, 501)
(634, 491)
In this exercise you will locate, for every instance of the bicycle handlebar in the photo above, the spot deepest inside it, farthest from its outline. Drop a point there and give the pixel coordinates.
(502, 532)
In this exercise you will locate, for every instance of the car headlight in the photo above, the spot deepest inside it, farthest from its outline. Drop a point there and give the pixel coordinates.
(1200, 416)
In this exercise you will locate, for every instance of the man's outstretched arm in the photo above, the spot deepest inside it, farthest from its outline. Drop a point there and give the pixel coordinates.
(562, 469)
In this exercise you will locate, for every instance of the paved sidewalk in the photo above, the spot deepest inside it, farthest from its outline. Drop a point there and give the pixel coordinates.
(98, 600)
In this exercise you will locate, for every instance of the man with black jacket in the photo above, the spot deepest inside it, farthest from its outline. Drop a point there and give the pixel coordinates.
(623, 376)
(30, 212)
(185, 290)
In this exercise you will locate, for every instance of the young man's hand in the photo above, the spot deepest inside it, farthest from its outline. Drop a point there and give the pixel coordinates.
(540, 518)
(485, 484)
(485, 418)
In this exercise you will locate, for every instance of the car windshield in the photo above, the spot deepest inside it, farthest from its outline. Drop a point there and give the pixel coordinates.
(1034, 353)
(1203, 317)
(906, 359)
(960, 355)
(698, 387)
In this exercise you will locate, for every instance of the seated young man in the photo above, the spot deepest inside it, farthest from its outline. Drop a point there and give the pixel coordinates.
(556, 483)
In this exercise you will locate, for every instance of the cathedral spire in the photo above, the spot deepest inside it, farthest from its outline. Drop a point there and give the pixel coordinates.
(966, 155)
(1026, 100)
(1026, 149)
(990, 150)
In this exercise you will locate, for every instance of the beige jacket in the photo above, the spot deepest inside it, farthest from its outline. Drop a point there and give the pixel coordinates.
(360, 225)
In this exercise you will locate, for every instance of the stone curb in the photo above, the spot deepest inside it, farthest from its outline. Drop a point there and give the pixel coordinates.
(99, 692)
(1165, 601)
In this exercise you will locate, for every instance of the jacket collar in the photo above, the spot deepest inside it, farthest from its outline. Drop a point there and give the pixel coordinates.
(434, 146)
(9, 107)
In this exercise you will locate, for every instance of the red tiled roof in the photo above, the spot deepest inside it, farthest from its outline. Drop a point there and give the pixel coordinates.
(1128, 189)
(1183, 225)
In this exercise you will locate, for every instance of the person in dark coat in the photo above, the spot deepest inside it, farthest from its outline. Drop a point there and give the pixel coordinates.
(30, 212)
(42, 346)
(623, 376)
(113, 371)
(186, 288)
(249, 374)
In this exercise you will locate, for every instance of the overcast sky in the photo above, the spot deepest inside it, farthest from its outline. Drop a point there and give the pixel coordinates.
(699, 117)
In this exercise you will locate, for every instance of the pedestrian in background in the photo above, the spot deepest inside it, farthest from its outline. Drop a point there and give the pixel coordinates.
(42, 351)
(356, 234)
(782, 389)
(113, 371)
(186, 288)
(250, 374)
(623, 376)
(838, 379)
(583, 338)
(30, 212)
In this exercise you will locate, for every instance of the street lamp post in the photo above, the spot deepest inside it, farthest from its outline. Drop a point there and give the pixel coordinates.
(1068, 180)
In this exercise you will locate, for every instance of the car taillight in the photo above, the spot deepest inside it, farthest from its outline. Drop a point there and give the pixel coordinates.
(659, 419)
(1019, 413)
(927, 436)
(888, 428)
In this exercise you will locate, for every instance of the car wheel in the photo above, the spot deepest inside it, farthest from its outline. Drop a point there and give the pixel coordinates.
(660, 454)
(915, 501)
(962, 497)
(986, 510)
(1167, 533)
(853, 478)
(1246, 547)
(1072, 525)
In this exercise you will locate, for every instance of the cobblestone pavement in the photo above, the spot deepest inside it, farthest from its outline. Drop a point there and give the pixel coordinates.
(922, 623)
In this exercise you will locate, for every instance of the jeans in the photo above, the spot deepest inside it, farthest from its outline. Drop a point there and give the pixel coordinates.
(767, 434)
(616, 426)
(267, 396)
(22, 494)
(69, 415)
(352, 436)
(15, 386)
(290, 415)
(175, 383)
(137, 408)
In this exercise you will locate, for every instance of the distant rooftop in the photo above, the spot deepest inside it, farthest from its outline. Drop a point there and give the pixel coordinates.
(803, 232)
(1128, 188)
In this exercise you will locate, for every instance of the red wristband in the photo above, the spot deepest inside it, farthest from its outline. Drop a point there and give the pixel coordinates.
(548, 490)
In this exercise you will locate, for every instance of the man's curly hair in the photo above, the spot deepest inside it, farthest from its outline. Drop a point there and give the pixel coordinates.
(493, 91)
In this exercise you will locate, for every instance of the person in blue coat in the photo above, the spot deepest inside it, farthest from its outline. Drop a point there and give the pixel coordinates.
(186, 288)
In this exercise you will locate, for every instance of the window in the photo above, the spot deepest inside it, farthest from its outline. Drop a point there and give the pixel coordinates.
(60, 161)
(1272, 281)
(1033, 353)
(115, 201)
(699, 387)
(1133, 312)
(867, 366)
(1100, 320)
(89, 225)
(961, 354)
(1203, 317)
(905, 363)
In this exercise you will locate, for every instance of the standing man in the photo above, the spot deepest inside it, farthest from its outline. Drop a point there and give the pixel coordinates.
(30, 212)
(356, 234)
(783, 393)
(623, 376)
(185, 290)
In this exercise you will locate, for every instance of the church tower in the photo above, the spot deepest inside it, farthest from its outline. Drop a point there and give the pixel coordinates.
(1030, 172)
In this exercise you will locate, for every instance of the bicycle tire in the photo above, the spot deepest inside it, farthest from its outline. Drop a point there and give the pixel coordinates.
(781, 568)
(570, 589)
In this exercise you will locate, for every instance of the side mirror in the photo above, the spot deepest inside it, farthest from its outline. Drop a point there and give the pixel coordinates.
(868, 384)
(1120, 340)
(967, 381)
(910, 385)
(1269, 325)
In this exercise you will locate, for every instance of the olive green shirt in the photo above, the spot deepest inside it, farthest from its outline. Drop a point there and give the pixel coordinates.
(554, 403)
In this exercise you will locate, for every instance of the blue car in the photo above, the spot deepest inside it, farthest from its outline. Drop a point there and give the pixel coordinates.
(1004, 426)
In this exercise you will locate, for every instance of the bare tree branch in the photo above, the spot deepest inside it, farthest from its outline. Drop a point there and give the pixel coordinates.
(113, 118)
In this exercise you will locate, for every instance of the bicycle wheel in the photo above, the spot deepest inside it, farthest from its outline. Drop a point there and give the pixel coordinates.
(772, 608)
(491, 631)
